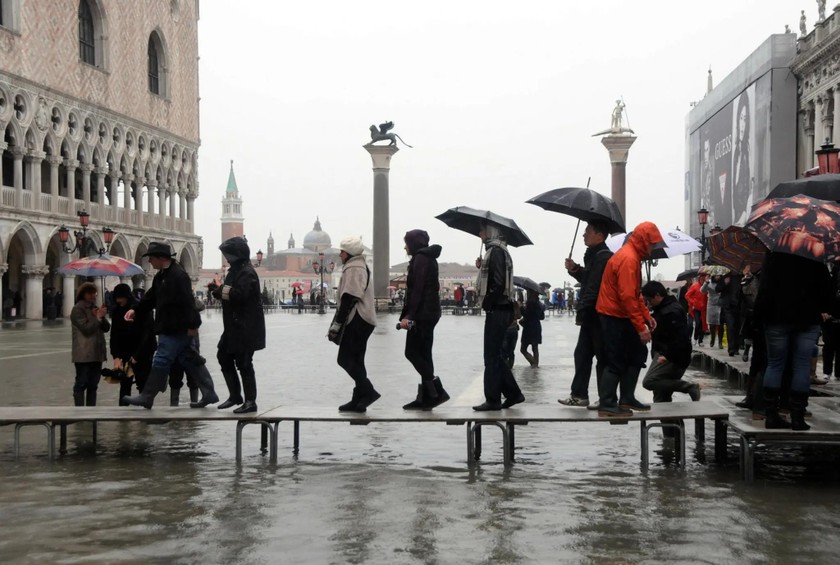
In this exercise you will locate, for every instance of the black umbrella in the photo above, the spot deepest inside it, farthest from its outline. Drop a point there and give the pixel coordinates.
(583, 204)
(823, 187)
(689, 274)
(471, 221)
(528, 284)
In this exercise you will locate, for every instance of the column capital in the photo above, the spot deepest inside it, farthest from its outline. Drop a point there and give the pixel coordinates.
(87, 167)
(71, 163)
(381, 155)
(55, 160)
(129, 178)
(17, 152)
(140, 180)
(35, 155)
(101, 171)
(35, 270)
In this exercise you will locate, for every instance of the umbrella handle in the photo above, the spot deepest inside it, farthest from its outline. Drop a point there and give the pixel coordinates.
(575, 238)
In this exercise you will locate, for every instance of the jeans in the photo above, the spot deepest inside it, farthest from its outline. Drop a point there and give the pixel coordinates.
(800, 342)
(664, 379)
(624, 357)
(698, 326)
(418, 348)
(498, 378)
(174, 347)
(831, 350)
(730, 318)
(588, 345)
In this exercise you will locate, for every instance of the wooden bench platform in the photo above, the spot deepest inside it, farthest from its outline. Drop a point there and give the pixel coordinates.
(825, 430)
(671, 415)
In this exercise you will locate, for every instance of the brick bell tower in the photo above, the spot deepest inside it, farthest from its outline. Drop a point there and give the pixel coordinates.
(233, 222)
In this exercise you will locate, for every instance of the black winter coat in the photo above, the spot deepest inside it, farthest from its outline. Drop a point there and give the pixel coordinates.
(172, 300)
(242, 310)
(792, 290)
(422, 293)
(671, 337)
(132, 339)
(594, 261)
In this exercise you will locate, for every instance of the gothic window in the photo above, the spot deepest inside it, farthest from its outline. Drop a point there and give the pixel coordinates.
(87, 40)
(154, 68)
(10, 14)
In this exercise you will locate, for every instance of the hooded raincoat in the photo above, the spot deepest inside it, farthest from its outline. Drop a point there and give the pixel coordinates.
(242, 310)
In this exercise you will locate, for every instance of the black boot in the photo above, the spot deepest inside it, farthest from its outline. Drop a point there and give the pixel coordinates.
(798, 405)
(772, 419)
(90, 397)
(443, 396)
(430, 395)
(627, 391)
(194, 394)
(368, 394)
(419, 402)
(748, 399)
(157, 378)
(205, 383)
(78, 398)
(174, 396)
(353, 405)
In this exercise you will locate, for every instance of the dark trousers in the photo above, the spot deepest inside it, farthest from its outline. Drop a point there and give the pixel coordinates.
(664, 379)
(87, 381)
(624, 357)
(242, 361)
(588, 345)
(831, 348)
(698, 326)
(351, 351)
(498, 378)
(730, 318)
(176, 377)
(418, 348)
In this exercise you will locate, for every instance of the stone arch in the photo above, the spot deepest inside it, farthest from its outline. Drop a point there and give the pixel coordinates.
(121, 247)
(12, 135)
(32, 139)
(51, 144)
(100, 32)
(31, 241)
(188, 259)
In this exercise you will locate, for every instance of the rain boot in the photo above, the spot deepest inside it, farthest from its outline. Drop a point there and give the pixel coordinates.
(747, 402)
(443, 396)
(773, 420)
(430, 395)
(90, 397)
(174, 396)
(157, 378)
(798, 405)
(353, 405)
(368, 394)
(205, 384)
(627, 391)
(78, 398)
(194, 394)
(419, 402)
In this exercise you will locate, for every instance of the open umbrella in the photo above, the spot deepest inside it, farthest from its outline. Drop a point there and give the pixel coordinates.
(736, 247)
(102, 266)
(583, 204)
(471, 221)
(824, 187)
(296, 284)
(800, 225)
(527, 284)
(677, 242)
(689, 274)
(713, 270)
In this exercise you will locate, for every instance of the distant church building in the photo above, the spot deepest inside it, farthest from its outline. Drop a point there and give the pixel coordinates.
(301, 258)
(233, 222)
(99, 113)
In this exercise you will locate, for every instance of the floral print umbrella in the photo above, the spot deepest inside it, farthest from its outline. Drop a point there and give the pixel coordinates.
(735, 248)
(799, 225)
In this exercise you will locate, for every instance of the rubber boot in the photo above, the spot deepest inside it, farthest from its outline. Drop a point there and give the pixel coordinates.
(78, 398)
(430, 395)
(174, 396)
(772, 420)
(627, 391)
(798, 405)
(442, 395)
(90, 397)
(418, 403)
(194, 394)
(748, 399)
(157, 378)
(205, 384)
(353, 405)
(368, 394)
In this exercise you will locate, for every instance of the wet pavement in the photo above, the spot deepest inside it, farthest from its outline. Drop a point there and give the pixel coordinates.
(388, 493)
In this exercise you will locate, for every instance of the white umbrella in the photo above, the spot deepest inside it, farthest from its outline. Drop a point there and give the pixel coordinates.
(678, 243)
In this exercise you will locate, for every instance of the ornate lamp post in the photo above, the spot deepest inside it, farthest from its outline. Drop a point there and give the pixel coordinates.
(320, 269)
(259, 257)
(702, 219)
(828, 158)
(81, 239)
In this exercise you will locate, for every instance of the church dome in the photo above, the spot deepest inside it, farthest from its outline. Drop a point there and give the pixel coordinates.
(317, 239)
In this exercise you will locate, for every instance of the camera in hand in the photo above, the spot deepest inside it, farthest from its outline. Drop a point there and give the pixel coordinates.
(410, 325)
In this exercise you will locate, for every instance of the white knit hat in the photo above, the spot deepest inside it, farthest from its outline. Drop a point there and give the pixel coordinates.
(352, 245)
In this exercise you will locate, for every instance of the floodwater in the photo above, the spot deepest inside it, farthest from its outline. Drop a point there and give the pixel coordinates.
(389, 493)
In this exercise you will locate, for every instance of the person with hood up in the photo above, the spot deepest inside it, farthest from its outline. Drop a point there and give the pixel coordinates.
(354, 322)
(132, 343)
(626, 323)
(244, 325)
(420, 315)
(495, 286)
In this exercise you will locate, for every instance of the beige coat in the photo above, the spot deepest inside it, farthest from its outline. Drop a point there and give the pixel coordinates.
(357, 281)
(88, 334)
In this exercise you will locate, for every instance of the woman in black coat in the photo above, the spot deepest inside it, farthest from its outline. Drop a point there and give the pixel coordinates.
(532, 328)
(132, 343)
(244, 325)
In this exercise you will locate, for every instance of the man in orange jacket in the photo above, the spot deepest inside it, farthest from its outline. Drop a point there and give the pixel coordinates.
(626, 323)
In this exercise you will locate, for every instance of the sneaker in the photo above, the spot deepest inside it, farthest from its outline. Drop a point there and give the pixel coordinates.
(815, 380)
(633, 404)
(614, 412)
(694, 392)
(574, 401)
(594, 406)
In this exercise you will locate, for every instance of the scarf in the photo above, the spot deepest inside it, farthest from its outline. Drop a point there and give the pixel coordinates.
(484, 273)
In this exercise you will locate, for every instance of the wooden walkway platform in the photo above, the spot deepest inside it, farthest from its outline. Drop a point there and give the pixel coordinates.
(671, 415)
(752, 435)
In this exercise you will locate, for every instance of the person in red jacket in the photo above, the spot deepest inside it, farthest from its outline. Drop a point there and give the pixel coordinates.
(697, 304)
(626, 323)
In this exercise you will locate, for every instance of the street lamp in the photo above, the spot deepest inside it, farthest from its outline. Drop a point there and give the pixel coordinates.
(81, 239)
(828, 158)
(259, 257)
(702, 219)
(320, 269)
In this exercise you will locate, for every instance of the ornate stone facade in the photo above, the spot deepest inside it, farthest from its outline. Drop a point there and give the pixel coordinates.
(106, 123)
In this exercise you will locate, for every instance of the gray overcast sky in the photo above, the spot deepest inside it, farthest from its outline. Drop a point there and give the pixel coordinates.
(499, 101)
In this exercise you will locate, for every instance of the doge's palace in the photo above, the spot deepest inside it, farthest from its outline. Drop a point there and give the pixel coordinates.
(99, 113)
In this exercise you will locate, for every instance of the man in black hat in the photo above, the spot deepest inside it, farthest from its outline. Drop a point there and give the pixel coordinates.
(176, 322)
